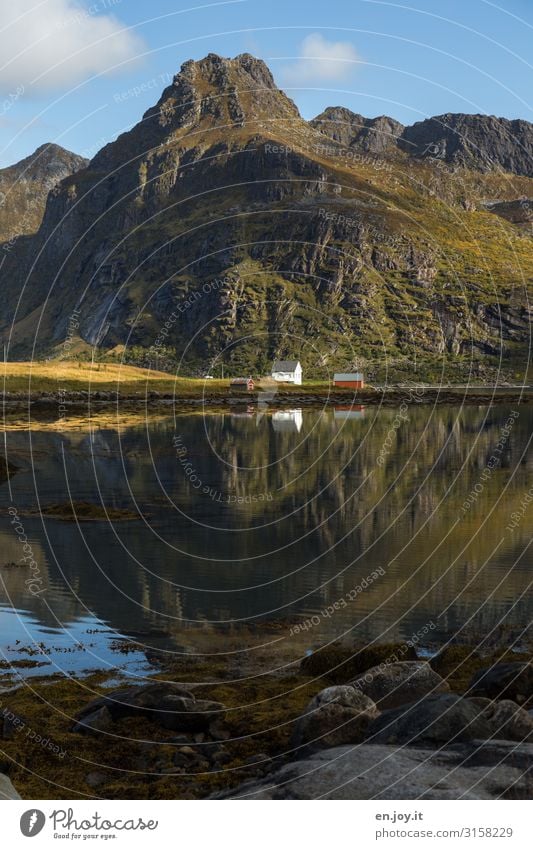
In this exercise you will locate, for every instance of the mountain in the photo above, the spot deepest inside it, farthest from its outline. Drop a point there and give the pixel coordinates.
(473, 141)
(226, 228)
(371, 135)
(24, 188)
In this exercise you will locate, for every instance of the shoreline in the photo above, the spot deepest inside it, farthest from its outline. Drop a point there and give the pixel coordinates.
(77, 400)
(250, 733)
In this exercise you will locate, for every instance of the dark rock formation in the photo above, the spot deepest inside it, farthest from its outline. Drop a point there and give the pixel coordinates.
(482, 142)
(170, 705)
(505, 681)
(491, 769)
(370, 135)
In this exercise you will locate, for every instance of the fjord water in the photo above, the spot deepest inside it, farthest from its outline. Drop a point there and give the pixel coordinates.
(248, 518)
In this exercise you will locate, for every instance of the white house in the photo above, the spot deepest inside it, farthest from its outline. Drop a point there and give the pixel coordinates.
(287, 371)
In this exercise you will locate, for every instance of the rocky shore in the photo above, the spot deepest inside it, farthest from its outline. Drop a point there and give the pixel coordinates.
(457, 726)
(99, 399)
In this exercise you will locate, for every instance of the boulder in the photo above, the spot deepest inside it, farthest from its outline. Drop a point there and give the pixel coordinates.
(171, 705)
(505, 681)
(100, 720)
(134, 700)
(507, 720)
(335, 716)
(433, 720)
(394, 684)
(180, 713)
(491, 769)
(443, 719)
(7, 791)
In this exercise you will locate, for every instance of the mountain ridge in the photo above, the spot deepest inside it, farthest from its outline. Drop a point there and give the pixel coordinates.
(222, 180)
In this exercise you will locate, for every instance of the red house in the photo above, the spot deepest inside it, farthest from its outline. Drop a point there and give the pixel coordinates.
(352, 380)
(242, 384)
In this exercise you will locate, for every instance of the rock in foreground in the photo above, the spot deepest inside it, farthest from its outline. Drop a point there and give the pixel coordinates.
(505, 681)
(442, 719)
(394, 684)
(170, 705)
(7, 791)
(336, 716)
(479, 770)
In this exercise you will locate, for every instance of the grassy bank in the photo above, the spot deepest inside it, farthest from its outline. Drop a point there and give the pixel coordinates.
(74, 383)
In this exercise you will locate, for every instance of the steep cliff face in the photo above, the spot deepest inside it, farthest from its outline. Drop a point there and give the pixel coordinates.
(24, 188)
(370, 135)
(482, 142)
(225, 226)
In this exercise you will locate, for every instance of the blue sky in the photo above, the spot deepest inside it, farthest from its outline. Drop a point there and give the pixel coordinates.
(79, 73)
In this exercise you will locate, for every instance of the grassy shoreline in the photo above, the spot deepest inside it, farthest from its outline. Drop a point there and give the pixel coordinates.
(70, 386)
(76, 383)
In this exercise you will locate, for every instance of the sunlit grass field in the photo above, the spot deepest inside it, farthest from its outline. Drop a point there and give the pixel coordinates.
(75, 376)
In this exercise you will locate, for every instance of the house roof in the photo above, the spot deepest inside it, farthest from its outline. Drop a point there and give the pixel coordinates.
(354, 375)
(285, 365)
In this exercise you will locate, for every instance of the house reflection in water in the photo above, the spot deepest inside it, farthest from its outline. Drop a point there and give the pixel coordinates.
(288, 421)
(355, 411)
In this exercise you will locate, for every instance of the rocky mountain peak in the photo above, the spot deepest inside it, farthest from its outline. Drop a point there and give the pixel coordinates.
(24, 187)
(483, 142)
(223, 91)
(214, 95)
(50, 162)
(371, 135)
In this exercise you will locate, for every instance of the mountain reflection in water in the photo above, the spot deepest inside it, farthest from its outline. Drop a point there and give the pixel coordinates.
(270, 517)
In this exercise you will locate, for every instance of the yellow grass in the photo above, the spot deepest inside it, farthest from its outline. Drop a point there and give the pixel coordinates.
(71, 376)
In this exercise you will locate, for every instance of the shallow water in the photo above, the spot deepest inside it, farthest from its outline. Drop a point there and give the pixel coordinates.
(363, 524)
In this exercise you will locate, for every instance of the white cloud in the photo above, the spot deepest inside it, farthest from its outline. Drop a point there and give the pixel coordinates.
(322, 61)
(56, 43)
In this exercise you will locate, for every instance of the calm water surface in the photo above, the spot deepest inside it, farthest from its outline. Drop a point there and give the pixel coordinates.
(250, 518)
